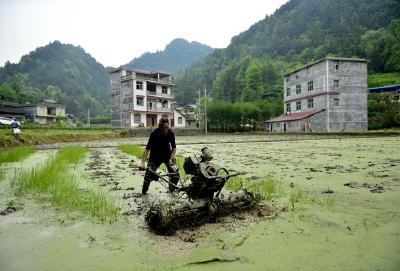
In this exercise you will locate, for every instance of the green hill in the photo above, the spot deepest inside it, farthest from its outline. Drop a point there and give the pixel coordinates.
(300, 31)
(177, 55)
(59, 71)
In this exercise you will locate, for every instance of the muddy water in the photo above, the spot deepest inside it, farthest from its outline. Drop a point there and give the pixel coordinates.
(334, 225)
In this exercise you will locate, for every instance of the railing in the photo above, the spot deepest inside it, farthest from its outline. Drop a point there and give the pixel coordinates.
(158, 108)
(157, 94)
(168, 81)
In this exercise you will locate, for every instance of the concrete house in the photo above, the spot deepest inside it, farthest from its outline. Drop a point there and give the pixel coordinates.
(46, 111)
(139, 97)
(392, 90)
(179, 119)
(327, 95)
(42, 112)
(190, 115)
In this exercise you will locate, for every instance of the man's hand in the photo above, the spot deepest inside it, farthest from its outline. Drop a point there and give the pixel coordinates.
(172, 161)
(142, 165)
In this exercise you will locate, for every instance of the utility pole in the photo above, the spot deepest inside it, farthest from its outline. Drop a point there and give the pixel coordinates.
(88, 117)
(205, 110)
(199, 118)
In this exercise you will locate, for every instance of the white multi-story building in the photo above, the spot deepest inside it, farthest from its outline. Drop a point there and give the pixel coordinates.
(139, 97)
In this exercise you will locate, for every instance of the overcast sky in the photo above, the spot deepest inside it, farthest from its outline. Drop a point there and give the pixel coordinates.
(116, 31)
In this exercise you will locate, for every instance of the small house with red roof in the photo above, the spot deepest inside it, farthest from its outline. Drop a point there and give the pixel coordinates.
(327, 95)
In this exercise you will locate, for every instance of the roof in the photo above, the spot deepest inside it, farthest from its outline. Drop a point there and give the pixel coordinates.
(295, 116)
(161, 73)
(49, 101)
(14, 108)
(382, 88)
(15, 104)
(327, 58)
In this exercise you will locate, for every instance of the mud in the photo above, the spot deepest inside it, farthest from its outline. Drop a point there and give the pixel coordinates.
(10, 210)
(315, 221)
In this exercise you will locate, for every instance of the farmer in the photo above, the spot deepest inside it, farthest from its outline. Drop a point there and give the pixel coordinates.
(15, 127)
(162, 148)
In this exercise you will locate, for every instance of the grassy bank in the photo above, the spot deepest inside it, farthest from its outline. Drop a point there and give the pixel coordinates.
(47, 136)
(57, 184)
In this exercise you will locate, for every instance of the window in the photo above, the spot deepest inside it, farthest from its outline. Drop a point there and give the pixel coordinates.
(335, 83)
(164, 89)
(139, 85)
(310, 85)
(336, 102)
(288, 108)
(310, 103)
(139, 101)
(298, 89)
(137, 118)
(51, 111)
(337, 66)
(298, 105)
(164, 104)
(288, 92)
(179, 120)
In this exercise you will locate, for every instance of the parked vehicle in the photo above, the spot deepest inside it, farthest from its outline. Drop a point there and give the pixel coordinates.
(5, 121)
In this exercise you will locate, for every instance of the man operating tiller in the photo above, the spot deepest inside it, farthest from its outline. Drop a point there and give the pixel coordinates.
(162, 148)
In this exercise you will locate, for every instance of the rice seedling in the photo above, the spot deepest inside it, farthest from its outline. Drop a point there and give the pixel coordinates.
(264, 188)
(235, 183)
(134, 149)
(15, 154)
(322, 200)
(99, 204)
(295, 197)
(60, 186)
(180, 160)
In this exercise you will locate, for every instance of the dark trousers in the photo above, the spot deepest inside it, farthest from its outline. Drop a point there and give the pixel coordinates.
(149, 176)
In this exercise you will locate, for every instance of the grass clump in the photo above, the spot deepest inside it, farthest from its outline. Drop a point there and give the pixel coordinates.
(296, 196)
(134, 149)
(264, 188)
(180, 160)
(15, 154)
(54, 182)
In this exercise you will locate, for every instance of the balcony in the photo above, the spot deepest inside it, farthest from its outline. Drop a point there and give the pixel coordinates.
(160, 95)
(158, 108)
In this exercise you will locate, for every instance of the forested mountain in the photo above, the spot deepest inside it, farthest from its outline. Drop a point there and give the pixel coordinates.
(177, 55)
(300, 31)
(62, 72)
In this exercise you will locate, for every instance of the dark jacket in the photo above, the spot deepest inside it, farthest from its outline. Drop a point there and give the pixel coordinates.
(160, 146)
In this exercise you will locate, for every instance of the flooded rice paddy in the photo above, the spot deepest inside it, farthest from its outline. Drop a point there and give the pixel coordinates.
(337, 208)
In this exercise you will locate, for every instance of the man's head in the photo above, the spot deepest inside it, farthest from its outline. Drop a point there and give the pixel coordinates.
(163, 124)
